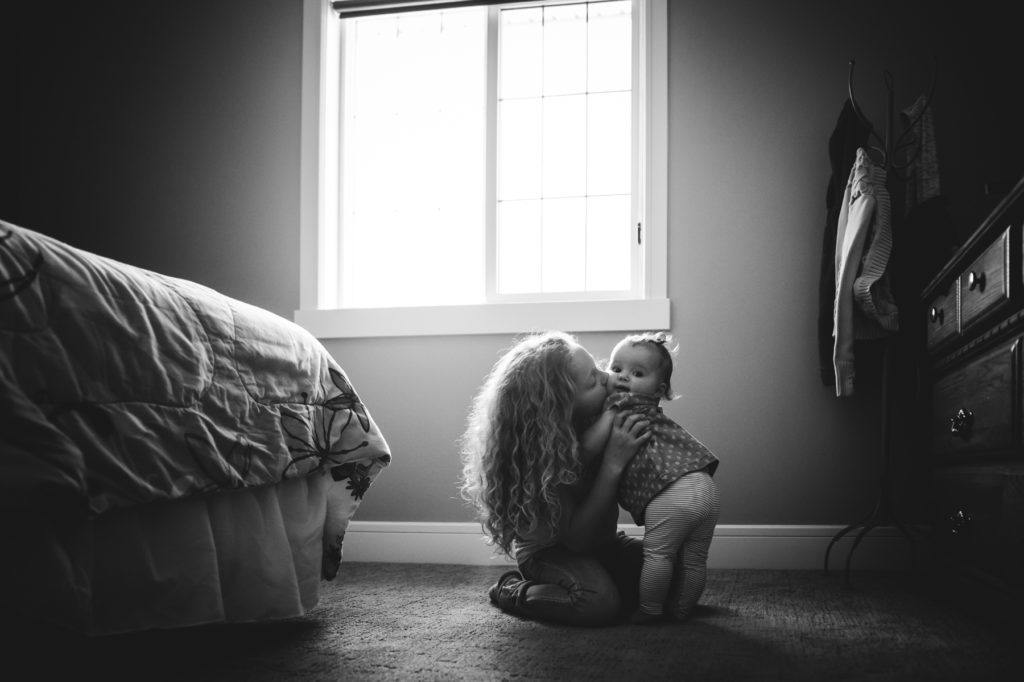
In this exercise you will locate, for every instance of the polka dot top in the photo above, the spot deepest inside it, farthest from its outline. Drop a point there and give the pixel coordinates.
(670, 454)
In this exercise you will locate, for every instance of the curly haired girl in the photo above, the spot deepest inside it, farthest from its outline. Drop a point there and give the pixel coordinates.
(539, 501)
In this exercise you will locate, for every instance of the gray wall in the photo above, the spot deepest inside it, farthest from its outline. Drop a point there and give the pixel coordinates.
(162, 134)
(167, 135)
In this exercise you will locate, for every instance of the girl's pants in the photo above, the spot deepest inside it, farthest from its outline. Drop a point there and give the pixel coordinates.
(679, 524)
(583, 589)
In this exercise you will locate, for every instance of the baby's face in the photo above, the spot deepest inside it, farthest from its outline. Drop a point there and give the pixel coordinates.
(636, 369)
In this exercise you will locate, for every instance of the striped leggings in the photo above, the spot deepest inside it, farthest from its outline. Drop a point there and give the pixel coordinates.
(679, 524)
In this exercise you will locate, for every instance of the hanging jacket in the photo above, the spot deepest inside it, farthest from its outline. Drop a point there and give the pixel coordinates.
(864, 208)
(850, 133)
(872, 290)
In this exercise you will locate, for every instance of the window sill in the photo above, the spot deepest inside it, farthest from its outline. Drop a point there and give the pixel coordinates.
(495, 318)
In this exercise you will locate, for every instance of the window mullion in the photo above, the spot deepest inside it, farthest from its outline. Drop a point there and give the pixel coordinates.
(639, 154)
(343, 90)
(586, 166)
(491, 160)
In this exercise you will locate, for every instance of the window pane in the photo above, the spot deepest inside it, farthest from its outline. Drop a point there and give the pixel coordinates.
(519, 59)
(565, 146)
(520, 246)
(565, 49)
(564, 247)
(413, 160)
(608, 143)
(609, 235)
(568, 147)
(414, 164)
(519, 149)
(609, 40)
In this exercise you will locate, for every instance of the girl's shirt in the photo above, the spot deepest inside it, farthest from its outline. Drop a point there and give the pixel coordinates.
(529, 543)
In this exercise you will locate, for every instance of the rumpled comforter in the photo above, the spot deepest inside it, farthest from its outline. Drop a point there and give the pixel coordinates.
(120, 386)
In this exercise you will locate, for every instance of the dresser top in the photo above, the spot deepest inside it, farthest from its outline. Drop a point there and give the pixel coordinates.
(976, 243)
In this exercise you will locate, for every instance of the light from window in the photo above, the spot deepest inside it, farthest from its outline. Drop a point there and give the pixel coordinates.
(426, 189)
(413, 141)
(564, 147)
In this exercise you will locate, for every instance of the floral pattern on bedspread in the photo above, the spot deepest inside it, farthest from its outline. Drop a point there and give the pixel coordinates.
(319, 439)
(120, 386)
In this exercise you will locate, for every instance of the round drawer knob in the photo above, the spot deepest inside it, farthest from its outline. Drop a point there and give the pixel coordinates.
(936, 315)
(960, 423)
(959, 522)
(976, 280)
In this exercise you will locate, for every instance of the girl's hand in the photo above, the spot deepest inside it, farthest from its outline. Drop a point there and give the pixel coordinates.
(629, 433)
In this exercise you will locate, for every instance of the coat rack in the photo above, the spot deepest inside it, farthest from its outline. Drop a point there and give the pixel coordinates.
(889, 149)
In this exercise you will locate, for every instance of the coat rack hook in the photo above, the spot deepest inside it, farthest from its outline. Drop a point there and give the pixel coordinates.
(853, 99)
(880, 148)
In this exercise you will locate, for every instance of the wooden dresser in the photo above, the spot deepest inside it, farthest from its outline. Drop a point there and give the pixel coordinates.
(974, 381)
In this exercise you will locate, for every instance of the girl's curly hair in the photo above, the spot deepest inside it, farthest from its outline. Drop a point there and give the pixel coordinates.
(520, 444)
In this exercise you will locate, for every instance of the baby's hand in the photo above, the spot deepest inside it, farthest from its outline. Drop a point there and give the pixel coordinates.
(630, 433)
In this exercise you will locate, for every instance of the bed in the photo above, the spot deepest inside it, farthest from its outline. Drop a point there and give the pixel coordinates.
(169, 456)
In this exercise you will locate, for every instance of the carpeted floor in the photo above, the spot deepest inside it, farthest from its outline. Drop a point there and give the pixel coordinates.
(434, 622)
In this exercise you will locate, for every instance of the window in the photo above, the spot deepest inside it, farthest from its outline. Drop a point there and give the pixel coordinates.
(489, 169)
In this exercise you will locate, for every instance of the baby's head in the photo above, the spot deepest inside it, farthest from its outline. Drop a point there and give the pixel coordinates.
(642, 363)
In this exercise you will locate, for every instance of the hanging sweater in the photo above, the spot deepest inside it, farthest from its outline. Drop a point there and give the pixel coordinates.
(923, 181)
(849, 134)
(872, 290)
(864, 214)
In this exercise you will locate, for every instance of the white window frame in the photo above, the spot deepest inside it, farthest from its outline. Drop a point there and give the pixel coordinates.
(319, 212)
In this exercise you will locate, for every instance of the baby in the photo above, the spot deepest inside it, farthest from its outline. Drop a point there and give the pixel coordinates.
(667, 486)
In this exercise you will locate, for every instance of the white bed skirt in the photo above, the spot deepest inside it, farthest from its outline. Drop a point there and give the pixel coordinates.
(244, 555)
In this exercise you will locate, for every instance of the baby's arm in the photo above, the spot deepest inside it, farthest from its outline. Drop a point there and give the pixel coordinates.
(593, 440)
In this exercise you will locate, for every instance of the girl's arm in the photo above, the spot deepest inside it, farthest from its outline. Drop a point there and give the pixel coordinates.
(591, 517)
(595, 437)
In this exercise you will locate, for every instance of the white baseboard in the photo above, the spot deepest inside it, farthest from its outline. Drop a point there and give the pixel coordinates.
(737, 546)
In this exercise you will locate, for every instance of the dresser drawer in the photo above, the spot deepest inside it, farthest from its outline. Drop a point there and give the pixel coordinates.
(985, 284)
(974, 407)
(978, 520)
(941, 317)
